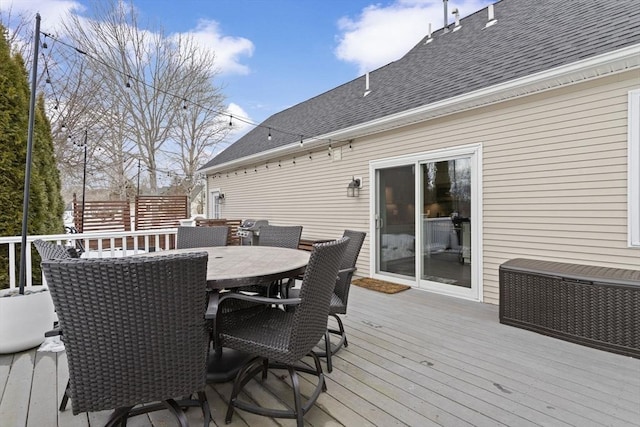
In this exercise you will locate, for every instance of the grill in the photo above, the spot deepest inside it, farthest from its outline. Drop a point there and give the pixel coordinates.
(249, 231)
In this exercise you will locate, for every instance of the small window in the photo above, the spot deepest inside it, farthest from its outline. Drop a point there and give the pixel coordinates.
(634, 168)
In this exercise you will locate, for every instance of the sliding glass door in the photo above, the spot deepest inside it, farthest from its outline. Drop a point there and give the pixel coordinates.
(425, 215)
(395, 220)
(446, 222)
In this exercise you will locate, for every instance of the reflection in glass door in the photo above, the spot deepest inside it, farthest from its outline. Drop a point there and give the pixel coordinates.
(395, 220)
(446, 222)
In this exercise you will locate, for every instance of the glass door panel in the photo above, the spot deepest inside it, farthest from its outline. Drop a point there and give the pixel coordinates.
(395, 220)
(446, 222)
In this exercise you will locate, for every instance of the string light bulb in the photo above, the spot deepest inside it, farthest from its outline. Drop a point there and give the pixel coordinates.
(128, 83)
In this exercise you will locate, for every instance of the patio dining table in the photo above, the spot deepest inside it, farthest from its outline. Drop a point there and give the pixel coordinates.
(231, 267)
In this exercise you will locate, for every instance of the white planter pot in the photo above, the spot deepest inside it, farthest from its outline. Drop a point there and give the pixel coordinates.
(24, 319)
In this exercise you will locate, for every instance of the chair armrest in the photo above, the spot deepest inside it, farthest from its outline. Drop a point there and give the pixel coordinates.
(215, 300)
(53, 333)
(260, 300)
(212, 305)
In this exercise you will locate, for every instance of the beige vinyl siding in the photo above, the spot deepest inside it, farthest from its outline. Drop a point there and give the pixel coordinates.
(554, 178)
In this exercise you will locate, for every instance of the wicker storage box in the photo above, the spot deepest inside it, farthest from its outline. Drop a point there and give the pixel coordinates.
(594, 306)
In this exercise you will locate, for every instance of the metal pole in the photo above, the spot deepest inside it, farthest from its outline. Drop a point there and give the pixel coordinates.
(27, 169)
(84, 175)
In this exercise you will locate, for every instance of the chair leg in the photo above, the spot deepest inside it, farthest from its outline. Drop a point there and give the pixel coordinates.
(244, 375)
(177, 412)
(297, 399)
(206, 411)
(265, 369)
(117, 417)
(327, 349)
(319, 374)
(341, 328)
(65, 398)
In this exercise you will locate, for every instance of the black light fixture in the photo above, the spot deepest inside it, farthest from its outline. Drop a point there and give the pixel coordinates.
(353, 189)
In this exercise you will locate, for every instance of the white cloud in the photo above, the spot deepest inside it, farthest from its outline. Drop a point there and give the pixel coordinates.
(382, 34)
(228, 49)
(51, 11)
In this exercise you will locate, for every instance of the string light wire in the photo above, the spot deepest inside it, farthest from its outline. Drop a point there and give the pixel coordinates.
(222, 113)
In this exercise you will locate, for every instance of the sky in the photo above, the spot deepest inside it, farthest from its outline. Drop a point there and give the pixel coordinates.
(273, 54)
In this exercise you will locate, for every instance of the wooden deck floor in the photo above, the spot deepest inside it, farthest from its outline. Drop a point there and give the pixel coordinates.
(414, 358)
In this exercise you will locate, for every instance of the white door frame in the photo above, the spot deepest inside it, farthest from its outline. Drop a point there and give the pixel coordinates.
(214, 203)
(475, 152)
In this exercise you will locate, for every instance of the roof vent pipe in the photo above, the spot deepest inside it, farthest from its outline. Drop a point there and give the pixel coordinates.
(429, 35)
(446, 17)
(367, 91)
(456, 13)
(492, 20)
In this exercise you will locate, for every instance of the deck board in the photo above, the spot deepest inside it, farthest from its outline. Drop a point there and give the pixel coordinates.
(414, 358)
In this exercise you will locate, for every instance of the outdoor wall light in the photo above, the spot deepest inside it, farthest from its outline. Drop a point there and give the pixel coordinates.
(353, 189)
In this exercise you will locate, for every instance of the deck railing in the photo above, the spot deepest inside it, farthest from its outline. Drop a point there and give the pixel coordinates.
(97, 244)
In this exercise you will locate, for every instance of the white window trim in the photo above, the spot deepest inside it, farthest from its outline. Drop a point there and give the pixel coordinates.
(633, 165)
(212, 204)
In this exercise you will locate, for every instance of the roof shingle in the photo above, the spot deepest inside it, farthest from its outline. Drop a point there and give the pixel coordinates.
(529, 37)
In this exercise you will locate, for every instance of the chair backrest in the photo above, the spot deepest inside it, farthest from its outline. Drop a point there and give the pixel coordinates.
(287, 236)
(48, 250)
(343, 284)
(318, 282)
(134, 327)
(201, 237)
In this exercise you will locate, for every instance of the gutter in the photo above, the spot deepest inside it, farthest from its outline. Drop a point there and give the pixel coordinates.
(606, 64)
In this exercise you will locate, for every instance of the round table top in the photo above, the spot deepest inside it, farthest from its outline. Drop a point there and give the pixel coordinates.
(237, 266)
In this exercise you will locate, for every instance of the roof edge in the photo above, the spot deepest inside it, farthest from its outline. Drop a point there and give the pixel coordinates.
(609, 63)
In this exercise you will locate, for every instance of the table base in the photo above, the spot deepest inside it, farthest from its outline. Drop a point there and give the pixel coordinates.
(222, 368)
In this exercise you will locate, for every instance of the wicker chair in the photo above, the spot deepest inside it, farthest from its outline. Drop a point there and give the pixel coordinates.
(134, 332)
(48, 250)
(280, 236)
(340, 296)
(279, 339)
(287, 236)
(202, 237)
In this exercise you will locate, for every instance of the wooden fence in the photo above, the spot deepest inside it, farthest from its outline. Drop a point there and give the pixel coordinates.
(109, 215)
(160, 211)
(151, 212)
